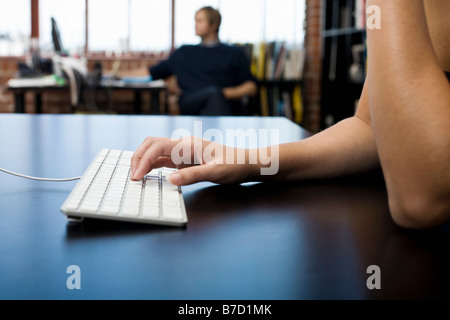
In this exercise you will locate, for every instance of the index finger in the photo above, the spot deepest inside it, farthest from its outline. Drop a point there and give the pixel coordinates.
(147, 153)
(136, 158)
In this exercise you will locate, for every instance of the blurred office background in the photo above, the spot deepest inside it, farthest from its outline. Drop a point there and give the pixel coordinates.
(142, 32)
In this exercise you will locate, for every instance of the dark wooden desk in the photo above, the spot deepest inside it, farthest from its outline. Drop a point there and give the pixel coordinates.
(138, 89)
(302, 240)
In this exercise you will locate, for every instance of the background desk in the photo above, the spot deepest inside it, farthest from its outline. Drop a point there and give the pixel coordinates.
(19, 90)
(305, 240)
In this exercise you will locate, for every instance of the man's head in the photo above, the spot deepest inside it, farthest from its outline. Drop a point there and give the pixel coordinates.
(207, 22)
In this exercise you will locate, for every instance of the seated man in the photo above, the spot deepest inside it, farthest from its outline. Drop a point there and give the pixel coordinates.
(212, 76)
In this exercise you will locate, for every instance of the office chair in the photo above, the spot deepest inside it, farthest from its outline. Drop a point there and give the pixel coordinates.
(79, 85)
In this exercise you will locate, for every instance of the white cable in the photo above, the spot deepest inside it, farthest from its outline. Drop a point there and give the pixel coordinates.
(38, 179)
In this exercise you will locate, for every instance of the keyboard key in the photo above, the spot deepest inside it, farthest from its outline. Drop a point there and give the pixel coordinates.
(99, 159)
(125, 162)
(103, 152)
(72, 205)
(171, 199)
(150, 211)
(90, 207)
(127, 155)
(154, 173)
(111, 160)
(114, 153)
(110, 209)
(132, 198)
(151, 202)
(171, 213)
(130, 209)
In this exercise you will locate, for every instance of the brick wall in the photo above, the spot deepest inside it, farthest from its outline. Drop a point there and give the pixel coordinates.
(8, 66)
(313, 65)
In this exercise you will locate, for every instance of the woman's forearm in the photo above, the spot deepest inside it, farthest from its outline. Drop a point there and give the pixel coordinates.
(346, 148)
(409, 99)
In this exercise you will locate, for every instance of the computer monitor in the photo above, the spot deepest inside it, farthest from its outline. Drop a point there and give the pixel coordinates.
(57, 43)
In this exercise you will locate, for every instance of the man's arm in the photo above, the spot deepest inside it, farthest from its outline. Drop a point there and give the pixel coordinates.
(248, 88)
(242, 76)
(410, 112)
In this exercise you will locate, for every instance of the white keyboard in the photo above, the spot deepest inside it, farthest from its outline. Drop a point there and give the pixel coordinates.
(105, 191)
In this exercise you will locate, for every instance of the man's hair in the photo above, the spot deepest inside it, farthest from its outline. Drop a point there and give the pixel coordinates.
(213, 15)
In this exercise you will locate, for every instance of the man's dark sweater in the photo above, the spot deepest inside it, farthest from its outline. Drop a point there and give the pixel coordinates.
(199, 67)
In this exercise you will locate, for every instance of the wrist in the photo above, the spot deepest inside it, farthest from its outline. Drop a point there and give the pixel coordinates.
(251, 167)
(261, 164)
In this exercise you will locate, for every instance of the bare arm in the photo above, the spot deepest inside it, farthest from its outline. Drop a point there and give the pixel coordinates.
(409, 103)
(346, 148)
(248, 88)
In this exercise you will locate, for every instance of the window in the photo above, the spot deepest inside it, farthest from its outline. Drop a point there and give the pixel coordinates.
(15, 27)
(151, 24)
(145, 25)
(249, 21)
(129, 25)
(245, 25)
(70, 17)
(108, 25)
(284, 22)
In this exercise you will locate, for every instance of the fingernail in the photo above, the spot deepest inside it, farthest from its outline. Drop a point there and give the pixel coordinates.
(135, 171)
(174, 178)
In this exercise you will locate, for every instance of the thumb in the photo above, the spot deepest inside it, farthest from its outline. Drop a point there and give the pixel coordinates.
(191, 175)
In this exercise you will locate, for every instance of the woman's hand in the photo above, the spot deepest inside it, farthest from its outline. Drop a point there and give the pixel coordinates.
(197, 159)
